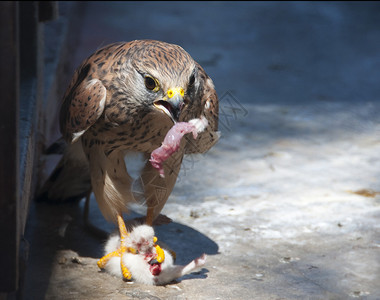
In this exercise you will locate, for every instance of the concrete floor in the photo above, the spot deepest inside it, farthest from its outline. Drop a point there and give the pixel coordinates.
(287, 203)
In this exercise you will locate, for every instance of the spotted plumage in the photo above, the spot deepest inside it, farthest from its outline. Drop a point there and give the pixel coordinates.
(121, 99)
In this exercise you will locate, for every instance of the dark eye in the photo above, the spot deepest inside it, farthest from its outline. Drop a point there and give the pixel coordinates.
(151, 84)
(191, 80)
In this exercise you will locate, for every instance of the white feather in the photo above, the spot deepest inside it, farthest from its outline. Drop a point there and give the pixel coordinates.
(199, 123)
(77, 135)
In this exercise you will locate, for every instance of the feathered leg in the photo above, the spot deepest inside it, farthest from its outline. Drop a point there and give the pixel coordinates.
(112, 188)
(110, 182)
(158, 189)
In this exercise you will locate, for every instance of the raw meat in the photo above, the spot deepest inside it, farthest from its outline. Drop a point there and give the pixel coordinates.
(172, 141)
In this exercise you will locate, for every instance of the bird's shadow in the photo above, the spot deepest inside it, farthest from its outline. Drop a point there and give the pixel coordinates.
(201, 274)
(187, 242)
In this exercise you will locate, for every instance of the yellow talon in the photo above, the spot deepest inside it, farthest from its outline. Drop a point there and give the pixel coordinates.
(160, 254)
(119, 252)
(132, 250)
(104, 260)
(125, 271)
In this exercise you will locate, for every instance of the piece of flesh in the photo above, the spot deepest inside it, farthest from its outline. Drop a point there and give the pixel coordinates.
(173, 139)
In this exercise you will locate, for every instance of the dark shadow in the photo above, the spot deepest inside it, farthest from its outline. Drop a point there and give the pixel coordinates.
(187, 242)
(202, 274)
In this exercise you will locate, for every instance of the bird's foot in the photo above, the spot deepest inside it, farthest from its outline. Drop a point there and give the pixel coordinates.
(120, 251)
(124, 235)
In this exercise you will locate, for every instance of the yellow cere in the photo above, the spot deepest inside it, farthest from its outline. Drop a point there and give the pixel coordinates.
(172, 92)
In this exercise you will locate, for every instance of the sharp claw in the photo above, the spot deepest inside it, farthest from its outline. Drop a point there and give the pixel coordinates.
(104, 260)
(119, 252)
(124, 270)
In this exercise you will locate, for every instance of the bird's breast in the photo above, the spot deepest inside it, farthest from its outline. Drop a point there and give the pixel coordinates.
(140, 134)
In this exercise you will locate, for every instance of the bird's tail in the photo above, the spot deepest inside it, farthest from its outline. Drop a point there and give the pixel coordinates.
(70, 180)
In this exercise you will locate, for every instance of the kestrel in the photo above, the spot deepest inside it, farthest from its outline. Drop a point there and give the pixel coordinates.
(126, 97)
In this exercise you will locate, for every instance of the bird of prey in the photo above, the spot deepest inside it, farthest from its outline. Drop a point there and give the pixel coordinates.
(125, 97)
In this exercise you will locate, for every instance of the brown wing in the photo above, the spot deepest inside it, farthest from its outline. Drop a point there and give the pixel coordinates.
(82, 105)
(210, 105)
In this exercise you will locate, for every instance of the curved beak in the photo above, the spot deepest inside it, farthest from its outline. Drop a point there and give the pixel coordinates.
(172, 103)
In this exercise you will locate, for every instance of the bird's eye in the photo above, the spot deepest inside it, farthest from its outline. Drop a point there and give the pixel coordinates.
(151, 84)
(191, 80)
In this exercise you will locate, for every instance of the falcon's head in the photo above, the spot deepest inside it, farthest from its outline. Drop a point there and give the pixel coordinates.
(164, 77)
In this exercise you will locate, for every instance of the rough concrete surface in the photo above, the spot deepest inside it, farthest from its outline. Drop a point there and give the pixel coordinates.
(286, 205)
